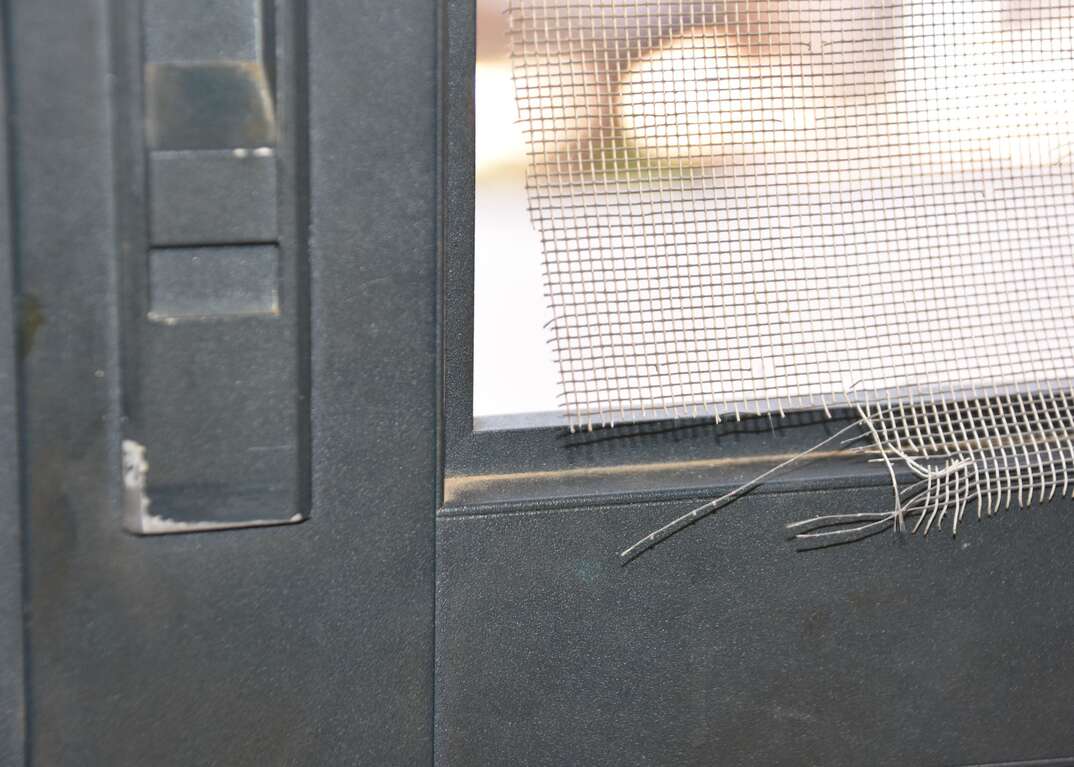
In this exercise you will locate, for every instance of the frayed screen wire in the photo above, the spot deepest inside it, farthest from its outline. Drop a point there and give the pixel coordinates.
(744, 204)
(983, 456)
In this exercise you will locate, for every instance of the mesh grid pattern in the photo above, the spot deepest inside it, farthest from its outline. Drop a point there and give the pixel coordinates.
(990, 454)
(982, 455)
(762, 205)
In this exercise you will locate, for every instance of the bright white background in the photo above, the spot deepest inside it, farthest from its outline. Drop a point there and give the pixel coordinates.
(514, 372)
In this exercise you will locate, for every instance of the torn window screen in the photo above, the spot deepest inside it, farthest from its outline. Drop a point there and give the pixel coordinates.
(757, 206)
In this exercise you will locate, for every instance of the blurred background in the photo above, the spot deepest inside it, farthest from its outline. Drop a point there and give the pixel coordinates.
(953, 117)
(514, 372)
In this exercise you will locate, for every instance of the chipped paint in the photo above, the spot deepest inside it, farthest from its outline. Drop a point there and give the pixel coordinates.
(135, 470)
(137, 517)
(152, 524)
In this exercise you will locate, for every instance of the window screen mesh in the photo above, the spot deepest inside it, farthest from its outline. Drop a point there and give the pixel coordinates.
(766, 205)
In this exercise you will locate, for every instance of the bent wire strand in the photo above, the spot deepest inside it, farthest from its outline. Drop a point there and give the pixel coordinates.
(744, 203)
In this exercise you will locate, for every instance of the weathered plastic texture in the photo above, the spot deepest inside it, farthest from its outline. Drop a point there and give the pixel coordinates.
(12, 682)
(299, 644)
(210, 160)
(314, 643)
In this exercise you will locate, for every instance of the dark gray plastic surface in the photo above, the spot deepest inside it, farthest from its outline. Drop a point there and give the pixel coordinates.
(209, 72)
(12, 688)
(314, 643)
(214, 302)
(203, 30)
(725, 645)
(212, 197)
(205, 283)
(302, 644)
(209, 105)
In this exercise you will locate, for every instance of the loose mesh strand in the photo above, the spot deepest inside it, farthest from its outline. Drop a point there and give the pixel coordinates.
(746, 205)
